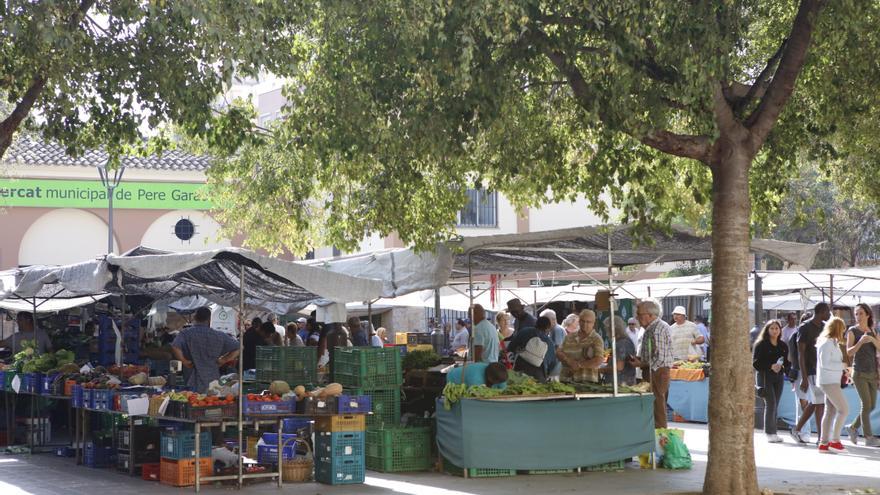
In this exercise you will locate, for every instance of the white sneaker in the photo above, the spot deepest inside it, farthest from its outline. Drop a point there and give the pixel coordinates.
(796, 436)
(806, 437)
(872, 442)
(853, 435)
(773, 438)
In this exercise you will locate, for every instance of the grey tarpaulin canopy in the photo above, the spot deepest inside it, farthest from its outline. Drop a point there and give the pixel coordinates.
(214, 274)
(404, 271)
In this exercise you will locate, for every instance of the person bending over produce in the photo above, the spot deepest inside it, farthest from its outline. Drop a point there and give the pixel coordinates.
(583, 352)
(534, 349)
(492, 375)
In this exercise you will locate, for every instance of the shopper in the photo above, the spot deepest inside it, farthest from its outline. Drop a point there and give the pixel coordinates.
(291, 337)
(830, 371)
(302, 329)
(703, 326)
(356, 331)
(252, 338)
(770, 360)
(791, 326)
(486, 342)
(634, 332)
(582, 353)
(655, 355)
(557, 334)
(807, 358)
(571, 324)
(378, 338)
(461, 338)
(523, 319)
(686, 339)
(861, 345)
(502, 323)
(534, 349)
(203, 350)
(270, 335)
(625, 349)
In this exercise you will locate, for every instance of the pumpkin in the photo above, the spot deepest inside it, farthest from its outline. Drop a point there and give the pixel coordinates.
(332, 390)
(279, 387)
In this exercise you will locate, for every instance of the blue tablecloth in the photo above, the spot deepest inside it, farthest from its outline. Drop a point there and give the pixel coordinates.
(691, 401)
(545, 434)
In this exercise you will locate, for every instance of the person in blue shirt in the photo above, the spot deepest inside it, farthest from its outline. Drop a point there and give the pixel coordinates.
(518, 344)
(492, 375)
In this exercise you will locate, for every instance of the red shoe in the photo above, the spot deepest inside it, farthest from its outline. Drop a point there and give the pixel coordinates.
(823, 449)
(837, 446)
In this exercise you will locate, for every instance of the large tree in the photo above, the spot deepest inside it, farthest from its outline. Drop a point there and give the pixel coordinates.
(397, 106)
(94, 73)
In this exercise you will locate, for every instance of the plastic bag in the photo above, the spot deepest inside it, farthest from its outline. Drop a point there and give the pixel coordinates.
(676, 454)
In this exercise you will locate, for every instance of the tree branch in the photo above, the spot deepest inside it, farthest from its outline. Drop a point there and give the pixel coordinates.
(685, 146)
(762, 120)
(11, 123)
(759, 88)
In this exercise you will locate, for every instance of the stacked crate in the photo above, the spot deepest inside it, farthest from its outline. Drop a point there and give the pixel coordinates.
(339, 449)
(107, 341)
(399, 449)
(145, 439)
(375, 372)
(178, 461)
(294, 365)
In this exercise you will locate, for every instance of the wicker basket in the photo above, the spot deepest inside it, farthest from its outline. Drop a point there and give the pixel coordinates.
(298, 468)
(155, 405)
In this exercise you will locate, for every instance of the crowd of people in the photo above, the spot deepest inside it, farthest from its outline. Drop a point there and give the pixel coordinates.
(815, 358)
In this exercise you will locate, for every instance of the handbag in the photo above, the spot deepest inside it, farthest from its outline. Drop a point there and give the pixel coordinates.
(844, 379)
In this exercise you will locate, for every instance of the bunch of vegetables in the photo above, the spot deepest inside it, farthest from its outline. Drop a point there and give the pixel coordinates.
(201, 400)
(688, 365)
(517, 384)
(28, 361)
(263, 397)
(420, 360)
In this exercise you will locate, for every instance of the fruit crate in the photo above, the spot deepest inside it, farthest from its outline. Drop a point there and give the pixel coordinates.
(316, 406)
(151, 471)
(393, 450)
(367, 367)
(608, 466)
(182, 444)
(279, 407)
(340, 422)
(385, 405)
(294, 365)
(98, 457)
(454, 470)
(341, 443)
(182, 472)
(185, 410)
(340, 470)
(348, 404)
(101, 399)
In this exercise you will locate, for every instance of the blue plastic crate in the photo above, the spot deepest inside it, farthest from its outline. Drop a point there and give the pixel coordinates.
(2, 380)
(102, 399)
(349, 404)
(31, 383)
(182, 444)
(268, 454)
(339, 444)
(280, 407)
(340, 470)
(272, 438)
(294, 425)
(46, 384)
(98, 457)
(77, 396)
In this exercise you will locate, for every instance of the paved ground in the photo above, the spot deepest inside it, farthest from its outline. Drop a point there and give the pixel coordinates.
(783, 468)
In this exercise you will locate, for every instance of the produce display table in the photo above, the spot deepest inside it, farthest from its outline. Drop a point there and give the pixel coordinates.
(687, 375)
(691, 401)
(554, 433)
(9, 397)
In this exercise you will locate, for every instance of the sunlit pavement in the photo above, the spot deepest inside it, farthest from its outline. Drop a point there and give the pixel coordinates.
(783, 468)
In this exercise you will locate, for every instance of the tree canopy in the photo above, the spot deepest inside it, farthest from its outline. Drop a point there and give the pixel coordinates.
(662, 106)
(104, 73)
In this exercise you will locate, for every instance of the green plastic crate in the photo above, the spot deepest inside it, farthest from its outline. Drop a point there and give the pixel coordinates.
(547, 471)
(454, 470)
(394, 450)
(367, 367)
(385, 405)
(294, 365)
(608, 466)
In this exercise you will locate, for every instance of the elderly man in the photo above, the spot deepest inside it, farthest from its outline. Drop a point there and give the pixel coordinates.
(686, 338)
(522, 319)
(557, 334)
(486, 343)
(655, 355)
(582, 353)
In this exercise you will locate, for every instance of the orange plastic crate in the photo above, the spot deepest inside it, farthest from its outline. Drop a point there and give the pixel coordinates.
(341, 422)
(183, 472)
(151, 471)
(68, 387)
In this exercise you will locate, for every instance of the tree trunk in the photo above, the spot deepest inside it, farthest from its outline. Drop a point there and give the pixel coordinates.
(731, 467)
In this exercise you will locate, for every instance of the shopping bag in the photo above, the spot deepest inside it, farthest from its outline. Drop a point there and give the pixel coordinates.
(676, 454)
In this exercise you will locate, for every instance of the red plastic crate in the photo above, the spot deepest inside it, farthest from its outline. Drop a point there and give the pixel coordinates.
(151, 472)
(183, 471)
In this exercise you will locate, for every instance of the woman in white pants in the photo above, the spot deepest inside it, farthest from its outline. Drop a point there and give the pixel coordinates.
(830, 368)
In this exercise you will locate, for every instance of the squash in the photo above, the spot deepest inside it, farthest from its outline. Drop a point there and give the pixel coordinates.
(279, 387)
(156, 381)
(332, 390)
(138, 379)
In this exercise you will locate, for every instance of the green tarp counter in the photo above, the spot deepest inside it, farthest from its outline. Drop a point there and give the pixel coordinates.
(545, 434)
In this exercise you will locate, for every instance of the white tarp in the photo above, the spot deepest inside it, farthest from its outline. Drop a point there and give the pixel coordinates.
(49, 305)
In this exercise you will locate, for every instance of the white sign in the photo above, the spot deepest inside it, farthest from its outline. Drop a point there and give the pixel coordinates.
(224, 319)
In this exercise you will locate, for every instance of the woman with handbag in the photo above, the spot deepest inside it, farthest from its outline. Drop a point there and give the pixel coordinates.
(770, 360)
(830, 374)
(861, 346)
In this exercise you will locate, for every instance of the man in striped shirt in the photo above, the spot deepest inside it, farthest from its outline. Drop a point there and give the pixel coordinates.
(655, 354)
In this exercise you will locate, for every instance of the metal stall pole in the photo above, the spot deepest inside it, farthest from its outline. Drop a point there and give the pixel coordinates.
(241, 378)
(611, 306)
(471, 316)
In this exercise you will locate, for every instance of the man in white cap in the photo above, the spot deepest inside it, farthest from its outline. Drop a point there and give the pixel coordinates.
(301, 329)
(686, 338)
